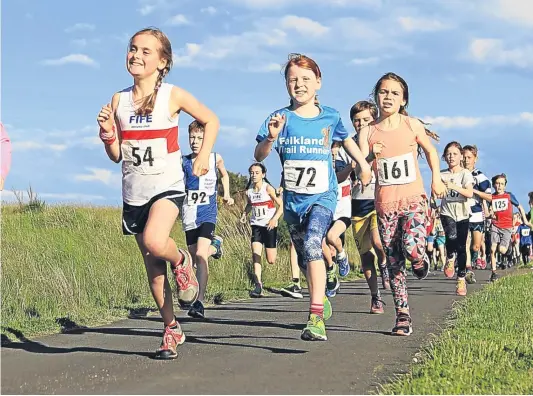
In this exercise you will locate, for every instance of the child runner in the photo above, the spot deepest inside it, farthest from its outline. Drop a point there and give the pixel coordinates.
(364, 217)
(341, 220)
(478, 207)
(262, 201)
(140, 128)
(525, 242)
(200, 211)
(440, 241)
(502, 222)
(302, 134)
(455, 214)
(401, 202)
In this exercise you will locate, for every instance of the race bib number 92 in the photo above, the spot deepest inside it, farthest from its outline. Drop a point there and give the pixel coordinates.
(197, 197)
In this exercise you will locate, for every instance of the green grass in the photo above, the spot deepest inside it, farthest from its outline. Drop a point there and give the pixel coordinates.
(68, 263)
(487, 349)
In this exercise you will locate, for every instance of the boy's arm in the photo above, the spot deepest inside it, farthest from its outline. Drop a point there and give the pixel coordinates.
(225, 179)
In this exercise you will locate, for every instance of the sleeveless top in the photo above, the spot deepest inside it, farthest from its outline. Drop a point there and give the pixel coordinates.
(151, 156)
(398, 179)
(263, 207)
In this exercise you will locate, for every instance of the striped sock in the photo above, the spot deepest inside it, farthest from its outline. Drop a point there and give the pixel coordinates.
(317, 309)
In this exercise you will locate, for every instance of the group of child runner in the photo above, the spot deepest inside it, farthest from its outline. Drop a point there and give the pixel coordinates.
(331, 180)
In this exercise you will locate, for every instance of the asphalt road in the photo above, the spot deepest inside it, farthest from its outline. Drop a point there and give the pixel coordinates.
(241, 348)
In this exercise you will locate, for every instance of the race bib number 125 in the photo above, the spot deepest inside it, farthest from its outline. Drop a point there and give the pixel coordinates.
(500, 204)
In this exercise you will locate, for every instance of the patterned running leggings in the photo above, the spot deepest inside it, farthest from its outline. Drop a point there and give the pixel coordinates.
(403, 235)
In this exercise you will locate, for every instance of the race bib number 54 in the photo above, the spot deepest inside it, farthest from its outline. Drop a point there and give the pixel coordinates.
(147, 157)
(306, 177)
(396, 170)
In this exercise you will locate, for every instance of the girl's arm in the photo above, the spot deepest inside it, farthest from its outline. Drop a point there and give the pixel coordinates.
(263, 149)
(437, 186)
(6, 156)
(225, 179)
(483, 195)
(247, 210)
(467, 191)
(524, 218)
(180, 99)
(279, 210)
(113, 150)
(345, 173)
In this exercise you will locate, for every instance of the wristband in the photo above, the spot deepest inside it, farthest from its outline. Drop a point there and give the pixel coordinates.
(271, 140)
(111, 140)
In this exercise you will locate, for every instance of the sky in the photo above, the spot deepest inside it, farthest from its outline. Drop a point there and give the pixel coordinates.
(469, 66)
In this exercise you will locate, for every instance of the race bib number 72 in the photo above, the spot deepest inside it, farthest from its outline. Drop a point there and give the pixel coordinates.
(306, 177)
(396, 170)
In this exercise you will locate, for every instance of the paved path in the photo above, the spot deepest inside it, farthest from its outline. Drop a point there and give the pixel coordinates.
(248, 347)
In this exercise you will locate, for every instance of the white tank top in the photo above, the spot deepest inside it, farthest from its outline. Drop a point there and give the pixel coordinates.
(344, 200)
(263, 207)
(151, 156)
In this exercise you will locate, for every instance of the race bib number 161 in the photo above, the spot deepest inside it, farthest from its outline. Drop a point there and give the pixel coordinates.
(396, 170)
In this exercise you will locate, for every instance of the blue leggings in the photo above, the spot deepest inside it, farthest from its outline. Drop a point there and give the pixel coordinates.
(307, 237)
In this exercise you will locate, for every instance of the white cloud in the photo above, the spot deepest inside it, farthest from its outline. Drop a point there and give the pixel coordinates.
(209, 10)
(276, 4)
(493, 52)
(147, 9)
(9, 196)
(365, 61)
(462, 122)
(411, 24)
(265, 68)
(514, 11)
(149, 6)
(26, 145)
(79, 42)
(237, 136)
(178, 20)
(79, 26)
(72, 58)
(98, 174)
(304, 26)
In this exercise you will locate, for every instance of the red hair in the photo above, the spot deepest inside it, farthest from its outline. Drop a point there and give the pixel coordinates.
(305, 63)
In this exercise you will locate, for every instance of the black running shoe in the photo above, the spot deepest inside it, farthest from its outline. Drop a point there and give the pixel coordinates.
(293, 291)
(197, 310)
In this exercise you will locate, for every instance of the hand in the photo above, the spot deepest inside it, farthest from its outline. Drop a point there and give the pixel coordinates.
(243, 218)
(272, 224)
(201, 165)
(279, 191)
(438, 188)
(378, 147)
(228, 200)
(275, 125)
(106, 120)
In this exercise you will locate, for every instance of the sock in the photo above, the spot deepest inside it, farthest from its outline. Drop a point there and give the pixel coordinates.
(341, 255)
(378, 294)
(173, 324)
(317, 309)
(296, 281)
(475, 256)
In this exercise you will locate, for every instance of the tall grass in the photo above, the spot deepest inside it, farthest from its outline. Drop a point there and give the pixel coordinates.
(68, 262)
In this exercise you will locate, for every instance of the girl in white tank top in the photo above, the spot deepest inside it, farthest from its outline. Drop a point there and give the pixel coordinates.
(140, 128)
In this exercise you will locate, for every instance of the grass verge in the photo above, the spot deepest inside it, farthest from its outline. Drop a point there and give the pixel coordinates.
(67, 266)
(487, 349)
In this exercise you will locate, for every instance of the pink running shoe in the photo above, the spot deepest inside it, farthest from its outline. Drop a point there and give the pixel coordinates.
(185, 280)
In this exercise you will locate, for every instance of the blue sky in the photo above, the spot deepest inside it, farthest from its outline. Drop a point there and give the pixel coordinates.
(469, 66)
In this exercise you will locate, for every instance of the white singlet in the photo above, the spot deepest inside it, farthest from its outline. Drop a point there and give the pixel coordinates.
(263, 207)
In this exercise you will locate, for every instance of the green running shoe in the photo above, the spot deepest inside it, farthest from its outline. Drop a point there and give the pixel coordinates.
(328, 311)
(315, 329)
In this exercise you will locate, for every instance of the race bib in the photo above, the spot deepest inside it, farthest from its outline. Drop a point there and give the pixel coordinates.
(147, 157)
(525, 232)
(454, 196)
(500, 204)
(396, 170)
(306, 177)
(197, 197)
(259, 212)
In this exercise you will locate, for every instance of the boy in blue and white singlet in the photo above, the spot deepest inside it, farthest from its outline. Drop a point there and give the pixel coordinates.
(302, 134)
(200, 211)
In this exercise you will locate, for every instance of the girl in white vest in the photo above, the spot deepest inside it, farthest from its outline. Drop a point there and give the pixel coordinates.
(140, 129)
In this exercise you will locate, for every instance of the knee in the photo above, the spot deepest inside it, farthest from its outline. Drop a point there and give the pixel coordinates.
(476, 247)
(330, 237)
(201, 257)
(156, 247)
(503, 249)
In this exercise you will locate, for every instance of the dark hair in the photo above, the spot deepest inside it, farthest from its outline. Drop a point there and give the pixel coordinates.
(304, 62)
(500, 176)
(471, 148)
(263, 169)
(530, 195)
(455, 144)
(363, 105)
(405, 90)
(165, 52)
(196, 126)
(336, 143)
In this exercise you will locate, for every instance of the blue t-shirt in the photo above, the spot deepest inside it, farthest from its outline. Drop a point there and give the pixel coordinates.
(304, 148)
(525, 235)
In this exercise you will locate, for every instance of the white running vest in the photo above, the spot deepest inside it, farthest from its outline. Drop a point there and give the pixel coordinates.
(263, 208)
(344, 200)
(151, 156)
